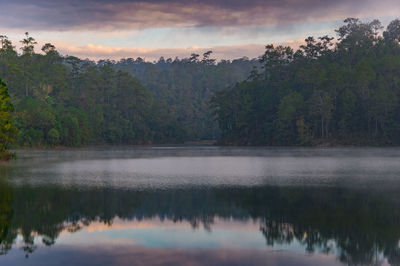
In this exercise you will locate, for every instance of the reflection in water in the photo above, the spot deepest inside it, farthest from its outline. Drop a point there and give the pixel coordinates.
(359, 227)
(6, 236)
(197, 223)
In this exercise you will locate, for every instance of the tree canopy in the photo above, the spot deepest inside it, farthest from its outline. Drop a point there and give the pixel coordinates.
(64, 100)
(340, 91)
(8, 131)
(329, 91)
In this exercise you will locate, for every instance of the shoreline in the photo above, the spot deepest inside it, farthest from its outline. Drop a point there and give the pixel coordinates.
(201, 144)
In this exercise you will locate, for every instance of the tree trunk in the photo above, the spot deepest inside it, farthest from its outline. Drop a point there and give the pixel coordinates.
(322, 127)
(326, 130)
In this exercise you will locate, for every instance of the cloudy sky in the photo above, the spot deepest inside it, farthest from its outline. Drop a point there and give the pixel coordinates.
(152, 28)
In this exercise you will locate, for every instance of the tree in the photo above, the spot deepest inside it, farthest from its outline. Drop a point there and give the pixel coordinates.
(28, 49)
(8, 131)
(48, 48)
(53, 136)
(6, 49)
(206, 58)
(28, 44)
(6, 214)
(290, 121)
(392, 32)
(194, 58)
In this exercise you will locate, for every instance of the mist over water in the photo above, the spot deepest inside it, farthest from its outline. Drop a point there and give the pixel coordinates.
(175, 205)
(165, 167)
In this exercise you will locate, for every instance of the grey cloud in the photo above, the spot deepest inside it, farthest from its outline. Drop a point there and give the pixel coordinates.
(140, 14)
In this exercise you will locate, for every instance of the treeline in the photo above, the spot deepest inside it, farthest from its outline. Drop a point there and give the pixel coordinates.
(337, 91)
(71, 102)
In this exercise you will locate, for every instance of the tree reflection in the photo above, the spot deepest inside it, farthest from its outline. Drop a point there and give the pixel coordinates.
(359, 226)
(393, 255)
(6, 239)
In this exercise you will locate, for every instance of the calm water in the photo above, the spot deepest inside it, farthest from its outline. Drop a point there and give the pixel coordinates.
(201, 206)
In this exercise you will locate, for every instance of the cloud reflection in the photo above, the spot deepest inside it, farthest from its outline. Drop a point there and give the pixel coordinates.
(139, 255)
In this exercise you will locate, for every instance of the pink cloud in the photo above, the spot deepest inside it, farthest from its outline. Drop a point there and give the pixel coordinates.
(96, 52)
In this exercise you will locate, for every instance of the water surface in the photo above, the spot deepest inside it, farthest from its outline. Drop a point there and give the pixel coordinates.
(201, 206)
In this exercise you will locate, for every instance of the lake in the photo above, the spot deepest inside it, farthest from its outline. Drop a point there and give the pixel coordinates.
(201, 205)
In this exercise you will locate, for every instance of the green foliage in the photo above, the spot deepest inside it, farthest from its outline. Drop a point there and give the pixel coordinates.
(290, 120)
(53, 137)
(341, 92)
(8, 131)
(187, 85)
(72, 102)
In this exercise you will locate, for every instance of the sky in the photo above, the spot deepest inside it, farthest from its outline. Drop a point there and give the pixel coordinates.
(115, 29)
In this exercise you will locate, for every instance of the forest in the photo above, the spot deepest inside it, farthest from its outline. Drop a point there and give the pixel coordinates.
(331, 91)
(342, 91)
(67, 101)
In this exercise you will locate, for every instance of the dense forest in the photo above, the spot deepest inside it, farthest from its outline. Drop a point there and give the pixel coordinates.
(329, 91)
(63, 100)
(187, 86)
